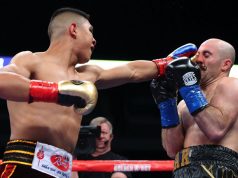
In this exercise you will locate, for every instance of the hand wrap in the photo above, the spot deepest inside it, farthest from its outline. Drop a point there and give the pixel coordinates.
(187, 50)
(80, 94)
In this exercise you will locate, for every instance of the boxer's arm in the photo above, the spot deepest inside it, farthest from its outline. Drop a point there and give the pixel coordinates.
(22, 63)
(134, 71)
(131, 72)
(141, 70)
(220, 116)
(165, 96)
(14, 87)
(17, 74)
(173, 138)
(82, 94)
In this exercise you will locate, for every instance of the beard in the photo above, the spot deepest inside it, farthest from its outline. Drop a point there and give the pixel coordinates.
(202, 67)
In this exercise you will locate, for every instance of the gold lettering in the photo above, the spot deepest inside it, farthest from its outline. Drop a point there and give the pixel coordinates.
(185, 157)
(176, 162)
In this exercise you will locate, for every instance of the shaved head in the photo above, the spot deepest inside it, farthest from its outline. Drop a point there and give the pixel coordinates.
(224, 49)
(62, 18)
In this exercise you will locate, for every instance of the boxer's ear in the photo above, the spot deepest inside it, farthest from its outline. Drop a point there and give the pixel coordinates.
(226, 64)
(73, 30)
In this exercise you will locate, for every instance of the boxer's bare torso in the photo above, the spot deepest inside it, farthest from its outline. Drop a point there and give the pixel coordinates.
(46, 122)
(52, 123)
(217, 93)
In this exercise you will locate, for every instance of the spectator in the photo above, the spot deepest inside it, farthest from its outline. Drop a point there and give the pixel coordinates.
(103, 151)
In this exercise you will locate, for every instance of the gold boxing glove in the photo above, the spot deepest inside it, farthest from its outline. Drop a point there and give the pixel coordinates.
(81, 94)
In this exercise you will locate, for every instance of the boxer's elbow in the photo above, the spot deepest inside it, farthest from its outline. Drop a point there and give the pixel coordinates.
(171, 152)
(216, 135)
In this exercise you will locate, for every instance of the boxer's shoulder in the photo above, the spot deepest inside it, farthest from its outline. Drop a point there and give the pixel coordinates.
(24, 57)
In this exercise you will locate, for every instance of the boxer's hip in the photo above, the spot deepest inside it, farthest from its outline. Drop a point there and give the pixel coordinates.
(39, 156)
(210, 158)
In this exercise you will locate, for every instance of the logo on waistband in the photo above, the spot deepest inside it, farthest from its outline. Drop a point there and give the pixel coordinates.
(61, 162)
(40, 154)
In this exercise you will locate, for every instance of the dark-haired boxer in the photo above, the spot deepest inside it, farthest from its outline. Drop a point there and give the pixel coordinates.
(44, 134)
(202, 135)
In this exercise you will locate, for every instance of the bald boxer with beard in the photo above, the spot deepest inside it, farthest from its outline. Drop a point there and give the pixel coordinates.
(201, 134)
(44, 134)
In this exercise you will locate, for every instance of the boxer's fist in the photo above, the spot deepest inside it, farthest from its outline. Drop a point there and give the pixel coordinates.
(80, 94)
(163, 89)
(164, 93)
(187, 50)
(183, 71)
(187, 76)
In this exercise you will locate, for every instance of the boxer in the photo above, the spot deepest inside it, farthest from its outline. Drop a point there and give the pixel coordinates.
(44, 134)
(200, 131)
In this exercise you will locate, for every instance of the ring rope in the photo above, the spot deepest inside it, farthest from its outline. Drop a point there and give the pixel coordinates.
(121, 165)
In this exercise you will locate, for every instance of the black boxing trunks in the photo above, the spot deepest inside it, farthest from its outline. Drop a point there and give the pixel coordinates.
(206, 161)
(28, 159)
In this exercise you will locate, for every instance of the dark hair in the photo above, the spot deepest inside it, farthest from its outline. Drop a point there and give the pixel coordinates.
(70, 9)
(62, 11)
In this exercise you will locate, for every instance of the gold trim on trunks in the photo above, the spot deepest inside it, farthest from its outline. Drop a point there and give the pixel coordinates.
(17, 162)
(22, 141)
(19, 151)
(182, 158)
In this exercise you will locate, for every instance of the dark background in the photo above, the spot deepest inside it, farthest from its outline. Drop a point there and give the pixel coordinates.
(124, 30)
